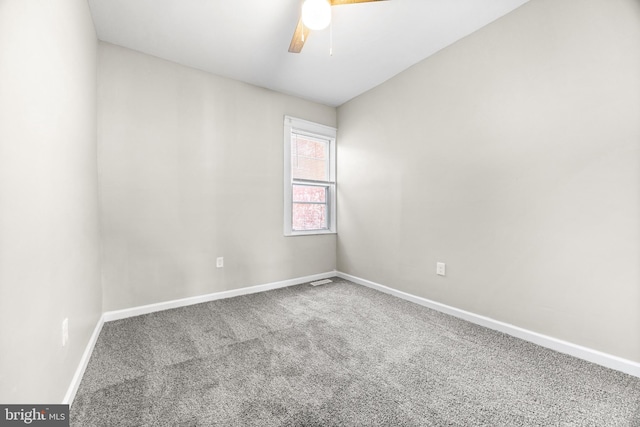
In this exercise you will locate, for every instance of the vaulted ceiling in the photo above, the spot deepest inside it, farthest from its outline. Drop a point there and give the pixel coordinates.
(247, 40)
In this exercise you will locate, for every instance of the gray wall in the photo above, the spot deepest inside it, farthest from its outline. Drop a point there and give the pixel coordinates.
(49, 239)
(513, 156)
(190, 169)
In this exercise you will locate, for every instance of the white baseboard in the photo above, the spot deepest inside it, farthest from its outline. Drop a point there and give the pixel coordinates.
(166, 305)
(607, 360)
(84, 361)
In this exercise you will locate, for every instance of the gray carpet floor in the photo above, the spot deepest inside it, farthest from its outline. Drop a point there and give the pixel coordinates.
(336, 355)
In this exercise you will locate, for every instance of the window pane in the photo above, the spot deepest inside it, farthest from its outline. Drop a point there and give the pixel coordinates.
(309, 216)
(308, 158)
(309, 193)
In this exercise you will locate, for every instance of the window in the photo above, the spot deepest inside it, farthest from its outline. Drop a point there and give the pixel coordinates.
(309, 178)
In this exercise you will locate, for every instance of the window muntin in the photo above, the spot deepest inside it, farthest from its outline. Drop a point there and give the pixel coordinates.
(309, 178)
(309, 158)
(309, 207)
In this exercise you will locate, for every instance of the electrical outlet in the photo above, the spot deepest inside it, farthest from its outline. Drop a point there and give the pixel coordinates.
(440, 268)
(220, 262)
(65, 331)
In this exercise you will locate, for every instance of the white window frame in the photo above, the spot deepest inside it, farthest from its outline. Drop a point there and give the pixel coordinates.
(292, 126)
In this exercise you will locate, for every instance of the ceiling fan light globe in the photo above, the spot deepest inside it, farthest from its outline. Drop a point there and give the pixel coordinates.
(316, 14)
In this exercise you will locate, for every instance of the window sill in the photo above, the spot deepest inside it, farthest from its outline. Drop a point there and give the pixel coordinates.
(309, 233)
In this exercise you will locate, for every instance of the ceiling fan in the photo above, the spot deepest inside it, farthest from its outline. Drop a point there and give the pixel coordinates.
(316, 15)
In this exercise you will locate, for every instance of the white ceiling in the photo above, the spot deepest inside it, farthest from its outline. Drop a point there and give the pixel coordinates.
(247, 40)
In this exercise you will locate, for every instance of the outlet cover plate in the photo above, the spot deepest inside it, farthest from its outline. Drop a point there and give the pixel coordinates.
(65, 331)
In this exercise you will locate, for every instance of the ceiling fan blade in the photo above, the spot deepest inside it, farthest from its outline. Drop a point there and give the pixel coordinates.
(339, 2)
(299, 37)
